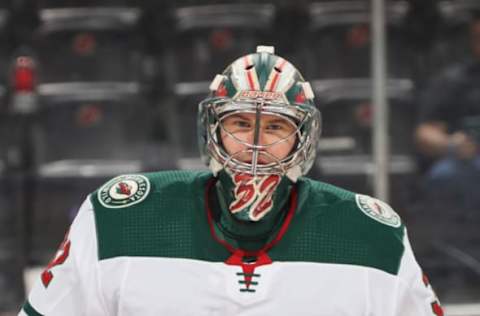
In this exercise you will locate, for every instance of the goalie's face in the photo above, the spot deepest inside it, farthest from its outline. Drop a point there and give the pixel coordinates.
(274, 136)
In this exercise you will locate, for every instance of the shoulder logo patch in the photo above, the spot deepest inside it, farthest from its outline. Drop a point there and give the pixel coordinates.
(378, 210)
(124, 191)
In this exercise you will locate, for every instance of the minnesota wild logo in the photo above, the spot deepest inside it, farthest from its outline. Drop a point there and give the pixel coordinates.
(124, 191)
(378, 210)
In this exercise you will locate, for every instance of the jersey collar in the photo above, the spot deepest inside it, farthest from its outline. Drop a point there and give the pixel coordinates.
(272, 241)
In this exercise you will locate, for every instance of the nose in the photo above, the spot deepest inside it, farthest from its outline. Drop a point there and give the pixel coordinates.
(262, 139)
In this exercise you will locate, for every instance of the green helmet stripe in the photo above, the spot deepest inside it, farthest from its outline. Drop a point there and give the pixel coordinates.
(264, 64)
(292, 93)
(231, 90)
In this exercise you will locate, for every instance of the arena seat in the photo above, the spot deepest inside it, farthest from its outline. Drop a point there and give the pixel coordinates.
(43, 4)
(207, 39)
(93, 114)
(89, 44)
(11, 221)
(5, 54)
(339, 40)
(11, 241)
(345, 148)
(83, 134)
(452, 44)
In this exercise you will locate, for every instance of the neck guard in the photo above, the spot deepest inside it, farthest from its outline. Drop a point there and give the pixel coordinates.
(251, 207)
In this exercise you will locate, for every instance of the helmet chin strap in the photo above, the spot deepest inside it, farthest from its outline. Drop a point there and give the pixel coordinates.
(215, 167)
(294, 173)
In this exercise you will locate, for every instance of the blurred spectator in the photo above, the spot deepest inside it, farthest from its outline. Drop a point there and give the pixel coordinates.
(448, 134)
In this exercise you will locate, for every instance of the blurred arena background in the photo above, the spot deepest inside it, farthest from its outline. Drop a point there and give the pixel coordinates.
(94, 88)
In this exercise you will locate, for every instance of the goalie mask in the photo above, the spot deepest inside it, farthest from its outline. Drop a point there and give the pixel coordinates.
(259, 125)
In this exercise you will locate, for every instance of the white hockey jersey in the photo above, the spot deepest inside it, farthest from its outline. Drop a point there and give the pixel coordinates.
(149, 245)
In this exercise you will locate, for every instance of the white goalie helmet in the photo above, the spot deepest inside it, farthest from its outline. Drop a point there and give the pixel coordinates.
(260, 84)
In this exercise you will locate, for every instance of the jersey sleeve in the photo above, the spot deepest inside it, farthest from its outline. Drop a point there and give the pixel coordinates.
(415, 296)
(70, 284)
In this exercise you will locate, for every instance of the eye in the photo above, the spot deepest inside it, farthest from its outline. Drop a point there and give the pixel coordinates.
(275, 126)
(237, 124)
(242, 123)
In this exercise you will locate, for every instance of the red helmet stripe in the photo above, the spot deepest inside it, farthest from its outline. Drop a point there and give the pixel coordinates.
(249, 73)
(276, 74)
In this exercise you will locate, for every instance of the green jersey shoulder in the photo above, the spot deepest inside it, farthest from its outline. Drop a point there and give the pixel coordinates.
(128, 190)
(331, 195)
(150, 214)
(334, 225)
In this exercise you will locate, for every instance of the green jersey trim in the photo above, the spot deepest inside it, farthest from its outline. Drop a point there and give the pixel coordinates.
(29, 310)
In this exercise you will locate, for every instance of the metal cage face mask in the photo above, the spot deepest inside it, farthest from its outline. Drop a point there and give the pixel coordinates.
(278, 116)
(254, 155)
